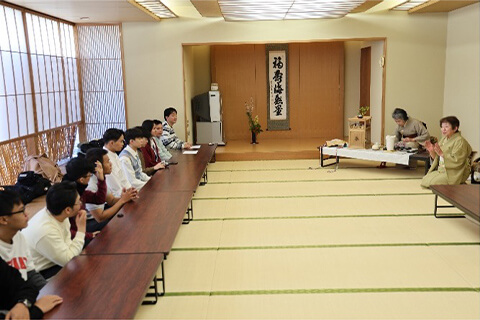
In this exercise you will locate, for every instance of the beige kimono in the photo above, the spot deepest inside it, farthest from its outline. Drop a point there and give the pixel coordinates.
(413, 128)
(456, 158)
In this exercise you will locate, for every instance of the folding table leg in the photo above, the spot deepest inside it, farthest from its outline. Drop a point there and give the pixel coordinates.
(205, 177)
(322, 164)
(154, 287)
(435, 210)
(189, 214)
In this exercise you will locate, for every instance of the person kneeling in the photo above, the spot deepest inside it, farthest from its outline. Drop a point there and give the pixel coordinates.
(451, 156)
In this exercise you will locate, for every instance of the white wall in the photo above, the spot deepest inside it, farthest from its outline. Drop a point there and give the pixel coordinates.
(415, 55)
(201, 64)
(462, 72)
(352, 81)
(189, 88)
(376, 86)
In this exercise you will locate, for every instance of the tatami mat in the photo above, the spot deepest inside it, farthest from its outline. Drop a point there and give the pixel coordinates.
(276, 240)
(464, 260)
(403, 305)
(418, 305)
(315, 206)
(261, 271)
(313, 175)
(190, 307)
(288, 164)
(379, 267)
(381, 230)
(306, 189)
(191, 271)
(325, 232)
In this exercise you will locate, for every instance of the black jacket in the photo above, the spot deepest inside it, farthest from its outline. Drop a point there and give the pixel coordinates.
(14, 289)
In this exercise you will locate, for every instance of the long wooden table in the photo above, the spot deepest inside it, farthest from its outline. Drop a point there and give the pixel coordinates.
(111, 276)
(148, 225)
(102, 286)
(465, 197)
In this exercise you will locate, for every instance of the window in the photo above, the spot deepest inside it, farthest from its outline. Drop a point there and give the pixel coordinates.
(39, 91)
(102, 78)
(41, 98)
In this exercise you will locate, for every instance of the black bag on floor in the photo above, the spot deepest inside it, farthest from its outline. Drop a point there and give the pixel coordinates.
(474, 174)
(31, 185)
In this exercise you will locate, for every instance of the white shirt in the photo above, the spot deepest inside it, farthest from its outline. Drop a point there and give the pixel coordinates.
(50, 240)
(17, 254)
(130, 173)
(116, 180)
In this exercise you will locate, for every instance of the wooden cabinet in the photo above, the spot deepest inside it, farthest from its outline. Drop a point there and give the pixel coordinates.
(359, 132)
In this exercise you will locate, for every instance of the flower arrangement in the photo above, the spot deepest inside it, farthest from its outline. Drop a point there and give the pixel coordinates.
(362, 111)
(253, 122)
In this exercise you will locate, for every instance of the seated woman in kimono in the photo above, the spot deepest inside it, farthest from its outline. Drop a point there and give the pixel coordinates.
(451, 156)
(409, 130)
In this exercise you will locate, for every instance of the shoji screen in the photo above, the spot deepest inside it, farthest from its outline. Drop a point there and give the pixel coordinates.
(101, 64)
(39, 92)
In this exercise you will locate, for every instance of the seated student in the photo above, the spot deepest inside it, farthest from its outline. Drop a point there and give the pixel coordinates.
(131, 165)
(80, 170)
(150, 151)
(13, 246)
(48, 233)
(156, 140)
(147, 169)
(169, 138)
(97, 215)
(116, 181)
(451, 156)
(18, 299)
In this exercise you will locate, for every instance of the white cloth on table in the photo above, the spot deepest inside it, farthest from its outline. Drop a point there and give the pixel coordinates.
(399, 157)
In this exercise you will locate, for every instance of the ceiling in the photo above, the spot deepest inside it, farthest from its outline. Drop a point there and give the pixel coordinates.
(114, 11)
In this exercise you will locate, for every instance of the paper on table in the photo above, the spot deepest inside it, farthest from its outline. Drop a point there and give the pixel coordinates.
(190, 152)
(195, 147)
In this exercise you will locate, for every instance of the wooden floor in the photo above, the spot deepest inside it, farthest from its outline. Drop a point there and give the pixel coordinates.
(241, 150)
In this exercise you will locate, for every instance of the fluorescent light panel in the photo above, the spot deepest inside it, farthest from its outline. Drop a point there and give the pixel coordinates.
(410, 4)
(156, 7)
(245, 10)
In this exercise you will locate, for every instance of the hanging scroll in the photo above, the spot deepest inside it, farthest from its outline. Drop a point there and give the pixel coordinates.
(277, 84)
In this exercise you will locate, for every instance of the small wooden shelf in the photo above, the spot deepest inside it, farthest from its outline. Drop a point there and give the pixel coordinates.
(359, 132)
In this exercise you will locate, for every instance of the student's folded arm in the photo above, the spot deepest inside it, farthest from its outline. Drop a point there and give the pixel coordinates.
(97, 197)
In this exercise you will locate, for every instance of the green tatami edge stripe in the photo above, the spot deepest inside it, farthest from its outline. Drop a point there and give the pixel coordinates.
(292, 169)
(317, 196)
(399, 215)
(320, 180)
(324, 246)
(319, 291)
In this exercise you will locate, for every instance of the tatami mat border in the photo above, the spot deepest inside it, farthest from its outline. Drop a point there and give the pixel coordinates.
(318, 180)
(389, 215)
(317, 196)
(327, 246)
(322, 291)
(293, 169)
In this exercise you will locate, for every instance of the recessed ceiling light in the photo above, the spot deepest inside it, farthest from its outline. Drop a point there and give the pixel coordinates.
(154, 8)
(246, 10)
(410, 4)
(84, 18)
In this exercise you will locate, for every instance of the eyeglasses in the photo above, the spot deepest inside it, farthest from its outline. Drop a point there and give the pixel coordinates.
(15, 212)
